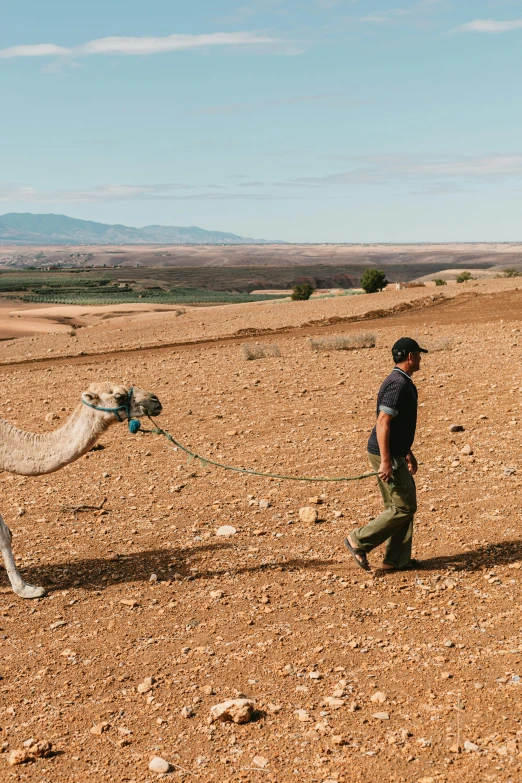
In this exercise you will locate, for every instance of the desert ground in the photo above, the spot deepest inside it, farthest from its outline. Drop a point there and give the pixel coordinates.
(151, 618)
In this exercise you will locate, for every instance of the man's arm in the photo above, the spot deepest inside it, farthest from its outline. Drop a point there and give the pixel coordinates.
(383, 439)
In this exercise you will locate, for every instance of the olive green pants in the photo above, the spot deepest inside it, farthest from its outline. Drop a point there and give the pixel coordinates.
(395, 524)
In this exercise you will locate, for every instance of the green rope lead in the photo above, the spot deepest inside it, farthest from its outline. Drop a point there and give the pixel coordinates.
(204, 462)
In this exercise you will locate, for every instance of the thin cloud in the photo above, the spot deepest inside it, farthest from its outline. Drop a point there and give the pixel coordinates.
(88, 195)
(112, 193)
(489, 26)
(145, 46)
(410, 169)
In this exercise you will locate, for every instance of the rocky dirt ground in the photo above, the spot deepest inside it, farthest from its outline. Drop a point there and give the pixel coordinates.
(152, 618)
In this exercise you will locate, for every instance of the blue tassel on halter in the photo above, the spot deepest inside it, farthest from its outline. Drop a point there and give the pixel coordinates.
(134, 425)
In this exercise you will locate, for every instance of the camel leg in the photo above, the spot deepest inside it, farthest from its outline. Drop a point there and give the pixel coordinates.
(20, 587)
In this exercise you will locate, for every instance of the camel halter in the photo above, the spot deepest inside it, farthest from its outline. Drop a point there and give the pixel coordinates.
(134, 424)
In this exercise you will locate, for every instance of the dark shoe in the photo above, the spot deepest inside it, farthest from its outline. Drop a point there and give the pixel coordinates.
(359, 555)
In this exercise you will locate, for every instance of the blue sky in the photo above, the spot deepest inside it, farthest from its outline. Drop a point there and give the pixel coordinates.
(303, 120)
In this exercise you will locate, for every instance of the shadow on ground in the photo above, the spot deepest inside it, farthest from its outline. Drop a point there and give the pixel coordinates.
(96, 573)
(175, 564)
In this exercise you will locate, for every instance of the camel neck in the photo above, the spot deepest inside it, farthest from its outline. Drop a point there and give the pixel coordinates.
(32, 454)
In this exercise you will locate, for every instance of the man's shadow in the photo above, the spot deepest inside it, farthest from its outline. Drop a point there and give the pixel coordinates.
(487, 556)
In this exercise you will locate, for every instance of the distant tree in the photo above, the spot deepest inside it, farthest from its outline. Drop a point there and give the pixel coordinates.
(373, 280)
(302, 291)
(464, 277)
(511, 272)
(439, 281)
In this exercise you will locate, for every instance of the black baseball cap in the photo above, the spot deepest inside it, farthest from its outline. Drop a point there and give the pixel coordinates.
(405, 346)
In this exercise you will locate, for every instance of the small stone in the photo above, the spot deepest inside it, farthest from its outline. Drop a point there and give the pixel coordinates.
(302, 715)
(338, 739)
(333, 702)
(51, 417)
(381, 716)
(446, 676)
(337, 514)
(216, 594)
(57, 624)
(208, 690)
(426, 779)
(308, 514)
(18, 756)
(260, 761)
(479, 685)
(466, 450)
(234, 710)
(159, 765)
(226, 530)
(100, 728)
(153, 578)
(315, 675)
(470, 746)
(378, 697)
(231, 433)
(28, 742)
(129, 602)
(146, 685)
(456, 428)
(187, 712)
(41, 749)
(274, 708)
(449, 643)
(264, 504)
(315, 501)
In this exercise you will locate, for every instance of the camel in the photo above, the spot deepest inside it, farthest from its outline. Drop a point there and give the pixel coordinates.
(32, 454)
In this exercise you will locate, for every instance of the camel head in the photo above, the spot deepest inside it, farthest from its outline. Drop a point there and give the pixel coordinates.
(113, 396)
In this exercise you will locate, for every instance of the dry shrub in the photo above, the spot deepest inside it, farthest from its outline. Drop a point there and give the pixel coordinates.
(343, 342)
(433, 344)
(442, 344)
(252, 351)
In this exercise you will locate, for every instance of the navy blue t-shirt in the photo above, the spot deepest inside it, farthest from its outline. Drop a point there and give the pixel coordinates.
(398, 397)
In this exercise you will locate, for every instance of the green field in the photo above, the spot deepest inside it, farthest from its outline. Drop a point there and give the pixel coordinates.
(105, 289)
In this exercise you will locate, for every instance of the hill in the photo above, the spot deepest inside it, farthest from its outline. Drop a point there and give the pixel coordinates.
(28, 228)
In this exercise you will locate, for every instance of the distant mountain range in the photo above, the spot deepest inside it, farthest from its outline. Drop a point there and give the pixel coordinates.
(25, 228)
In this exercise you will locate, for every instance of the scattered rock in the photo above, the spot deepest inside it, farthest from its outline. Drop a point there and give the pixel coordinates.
(18, 756)
(226, 530)
(308, 514)
(470, 746)
(159, 765)
(216, 594)
(456, 428)
(333, 702)
(378, 697)
(449, 643)
(187, 712)
(100, 728)
(129, 602)
(146, 685)
(466, 450)
(381, 715)
(260, 761)
(235, 710)
(264, 504)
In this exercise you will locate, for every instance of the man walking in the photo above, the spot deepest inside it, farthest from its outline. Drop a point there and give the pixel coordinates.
(389, 450)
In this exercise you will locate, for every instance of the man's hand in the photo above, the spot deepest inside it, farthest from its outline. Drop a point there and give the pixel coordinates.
(385, 470)
(412, 463)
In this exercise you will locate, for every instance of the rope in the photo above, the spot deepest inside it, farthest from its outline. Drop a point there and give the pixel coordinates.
(204, 462)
